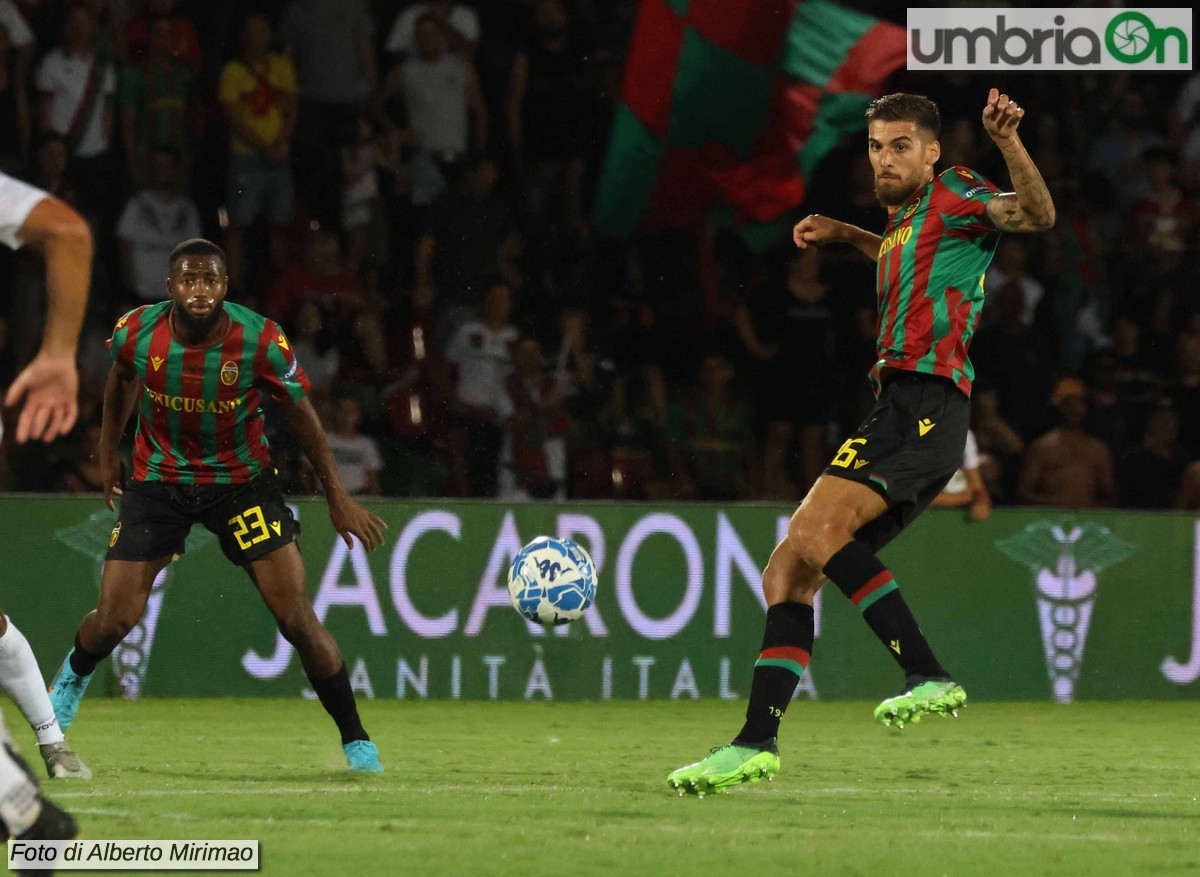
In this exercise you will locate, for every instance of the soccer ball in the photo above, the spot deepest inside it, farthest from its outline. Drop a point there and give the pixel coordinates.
(552, 581)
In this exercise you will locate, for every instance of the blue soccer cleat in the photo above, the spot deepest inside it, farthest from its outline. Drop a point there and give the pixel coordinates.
(67, 692)
(362, 756)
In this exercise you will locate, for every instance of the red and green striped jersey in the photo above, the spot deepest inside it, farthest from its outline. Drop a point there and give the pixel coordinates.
(199, 414)
(929, 279)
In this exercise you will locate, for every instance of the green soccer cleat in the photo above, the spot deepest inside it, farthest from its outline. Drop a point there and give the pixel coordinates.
(725, 767)
(362, 756)
(67, 692)
(941, 696)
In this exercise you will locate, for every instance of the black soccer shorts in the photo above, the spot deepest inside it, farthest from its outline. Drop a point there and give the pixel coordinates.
(908, 448)
(250, 520)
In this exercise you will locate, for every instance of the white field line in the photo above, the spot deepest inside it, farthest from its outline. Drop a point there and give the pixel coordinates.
(1060, 796)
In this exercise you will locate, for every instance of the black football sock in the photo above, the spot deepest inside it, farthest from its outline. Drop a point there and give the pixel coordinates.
(859, 575)
(337, 697)
(84, 662)
(786, 648)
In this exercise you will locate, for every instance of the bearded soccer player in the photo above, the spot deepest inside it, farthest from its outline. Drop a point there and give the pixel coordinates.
(941, 233)
(196, 368)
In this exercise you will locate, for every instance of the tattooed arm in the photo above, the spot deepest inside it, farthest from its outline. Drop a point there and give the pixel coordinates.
(1030, 207)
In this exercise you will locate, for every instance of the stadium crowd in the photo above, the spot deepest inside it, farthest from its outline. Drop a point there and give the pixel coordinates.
(406, 188)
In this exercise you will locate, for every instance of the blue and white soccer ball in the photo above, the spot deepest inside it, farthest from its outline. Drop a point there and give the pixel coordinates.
(552, 581)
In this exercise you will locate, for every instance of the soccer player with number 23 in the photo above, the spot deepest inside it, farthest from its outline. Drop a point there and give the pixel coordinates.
(941, 233)
(195, 367)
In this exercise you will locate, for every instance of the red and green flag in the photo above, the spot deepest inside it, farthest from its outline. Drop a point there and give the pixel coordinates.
(728, 105)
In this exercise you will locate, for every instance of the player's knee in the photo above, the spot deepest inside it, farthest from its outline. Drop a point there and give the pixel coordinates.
(811, 538)
(113, 627)
(296, 622)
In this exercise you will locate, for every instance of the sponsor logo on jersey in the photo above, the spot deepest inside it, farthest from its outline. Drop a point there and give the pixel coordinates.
(899, 237)
(974, 190)
(923, 426)
(125, 319)
(910, 211)
(282, 341)
(192, 404)
(291, 372)
(229, 373)
(157, 362)
(115, 535)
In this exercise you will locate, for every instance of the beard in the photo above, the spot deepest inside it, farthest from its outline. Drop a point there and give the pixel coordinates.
(897, 193)
(199, 326)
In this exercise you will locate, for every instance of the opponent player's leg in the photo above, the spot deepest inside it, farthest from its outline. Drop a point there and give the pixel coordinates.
(789, 586)
(24, 812)
(820, 536)
(279, 577)
(21, 679)
(124, 590)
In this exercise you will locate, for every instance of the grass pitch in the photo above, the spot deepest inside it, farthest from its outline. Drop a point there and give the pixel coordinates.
(551, 789)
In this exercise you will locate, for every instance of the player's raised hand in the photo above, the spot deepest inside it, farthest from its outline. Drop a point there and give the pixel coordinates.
(351, 519)
(49, 386)
(816, 229)
(1001, 116)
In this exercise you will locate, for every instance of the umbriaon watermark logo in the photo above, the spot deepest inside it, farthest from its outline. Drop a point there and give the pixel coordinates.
(1049, 39)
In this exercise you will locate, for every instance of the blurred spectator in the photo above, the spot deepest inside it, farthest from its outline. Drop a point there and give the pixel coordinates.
(258, 94)
(1010, 266)
(550, 115)
(50, 161)
(334, 53)
(790, 328)
(442, 98)
(364, 156)
(1184, 392)
(1163, 223)
(1188, 498)
(1118, 153)
(319, 276)
(533, 459)
(710, 437)
(82, 471)
(479, 350)
(183, 43)
(458, 23)
(158, 100)
(1075, 250)
(76, 85)
(966, 488)
(356, 455)
(1014, 361)
(16, 124)
(153, 223)
(314, 347)
(1000, 446)
(469, 235)
(1066, 467)
(1148, 477)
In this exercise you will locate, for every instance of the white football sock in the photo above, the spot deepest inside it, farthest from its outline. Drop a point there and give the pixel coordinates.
(21, 678)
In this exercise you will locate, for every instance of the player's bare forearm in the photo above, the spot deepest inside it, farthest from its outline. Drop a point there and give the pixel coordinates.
(67, 242)
(303, 421)
(818, 230)
(864, 241)
(120, 397)
(1029, 207)
(348, 517)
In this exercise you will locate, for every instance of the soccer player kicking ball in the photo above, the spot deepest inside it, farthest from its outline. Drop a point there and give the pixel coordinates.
(941, 233)
(196, 367)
